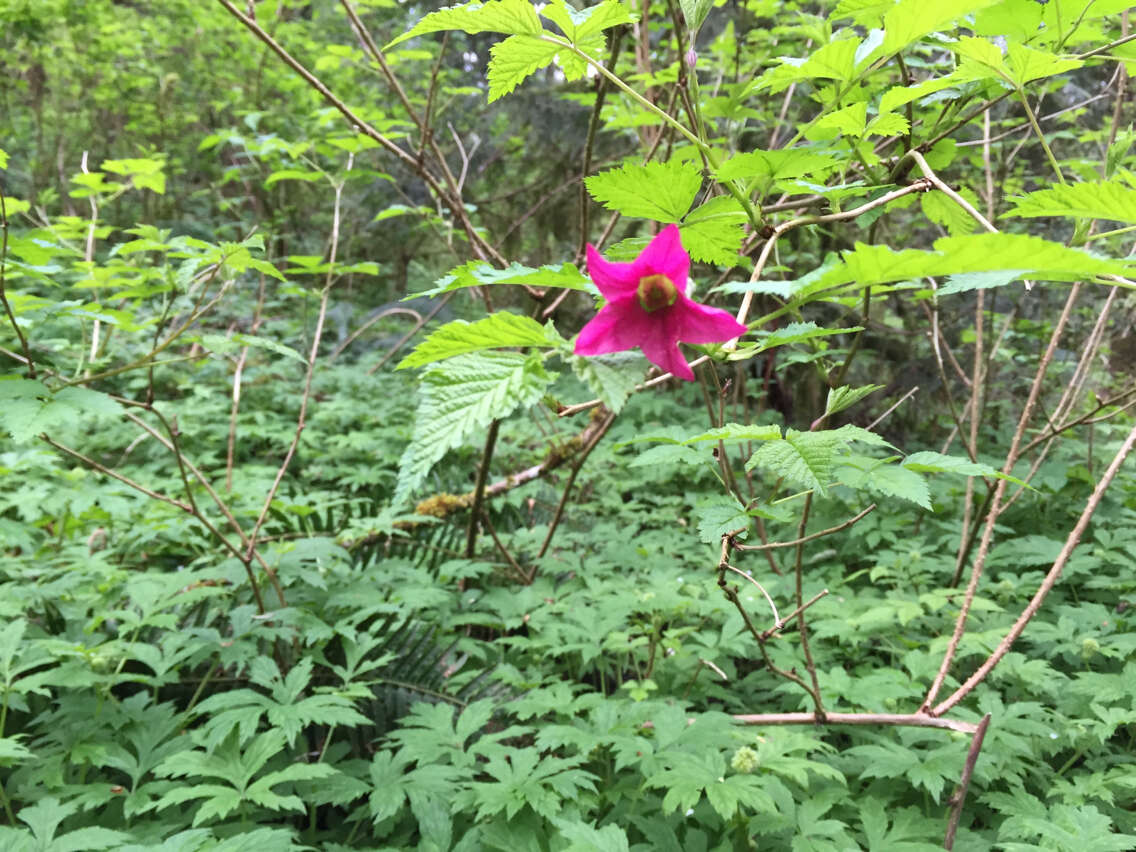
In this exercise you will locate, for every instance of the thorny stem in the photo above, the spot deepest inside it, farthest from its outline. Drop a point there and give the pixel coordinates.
(1050, 580)
(959, 796)
(777, 622)
(802, 624)
(522, 575)
(914, 720)
(996, 499)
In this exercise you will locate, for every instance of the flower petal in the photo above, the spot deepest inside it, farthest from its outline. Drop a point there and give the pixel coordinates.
(619, 325)
(664, 255)
(691, 322)
(613, 279)
(666, 356)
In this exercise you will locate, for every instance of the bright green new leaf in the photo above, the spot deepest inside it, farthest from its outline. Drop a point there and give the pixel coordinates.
(850, 121)
(897, 96)
(943, 211)
(1026, 256)
(797, 332)
(495, 16)
(695, 12)
(460, 397)
(806, 459)
(584, 24)
(1026, 64)
(1110, 200)
(910, 20)
(846, 396)
(720, 516)
(659, 191)
(932, 462)
(496, 331)
(881, 477)
(714, 231)
(781, 164)
(514, 59)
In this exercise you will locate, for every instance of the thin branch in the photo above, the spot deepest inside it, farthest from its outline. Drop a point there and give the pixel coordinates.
(797, 542)
(914, 720)
(802, 624)
(995, 502)
(1050, 580)
(126, 480)
(795, 613)
(777, 622)
(313, 356)
(959, 797)
(784, 227)
(594, 439)
(479, 488)
(454, 203)
(3, 286)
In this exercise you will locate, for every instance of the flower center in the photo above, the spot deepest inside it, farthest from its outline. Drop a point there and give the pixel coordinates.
(656, 291)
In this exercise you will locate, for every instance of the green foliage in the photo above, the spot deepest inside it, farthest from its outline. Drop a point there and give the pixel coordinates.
(659, 191)
(461, 397)
(224, 627)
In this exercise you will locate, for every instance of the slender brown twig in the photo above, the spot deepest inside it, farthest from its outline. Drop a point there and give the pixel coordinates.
(1050, 580)
(959, 796)
(797, 542)
(479, 487)
(994, 510)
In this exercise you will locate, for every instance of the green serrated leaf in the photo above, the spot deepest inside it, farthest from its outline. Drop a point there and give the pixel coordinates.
(1110, 200)
(1026, 64)
(659, 191)
(514, 59)
(881, 476)
(461, 396)
(804, 458)
(943, 211)
(1028, 256)
(720, 516)
(714, 231)
(797, 332)
(932, 462)
(496, 16)
(910, 20)
(781, 164)
(583, 24)
(846, 396)
(497, 331)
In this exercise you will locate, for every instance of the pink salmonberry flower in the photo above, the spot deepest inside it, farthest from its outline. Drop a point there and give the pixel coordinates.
(647, 306)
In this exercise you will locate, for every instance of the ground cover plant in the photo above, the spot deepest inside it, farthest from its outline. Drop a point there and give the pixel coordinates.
(648, 425)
